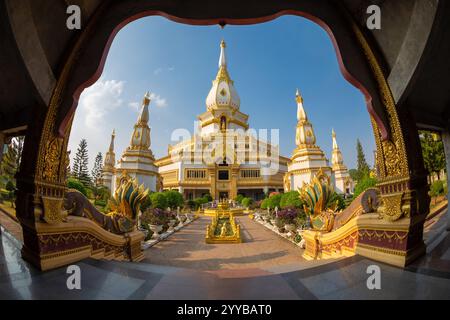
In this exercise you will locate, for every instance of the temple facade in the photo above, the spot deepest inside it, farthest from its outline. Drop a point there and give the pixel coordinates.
(223, 158)
(308, 158)
(137, 161)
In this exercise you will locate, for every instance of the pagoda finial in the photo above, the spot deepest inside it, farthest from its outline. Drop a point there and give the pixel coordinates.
(222, 59)
(301, 114)
(111, 144)
(143, 116)
(147, 98)
(333, 135)
(298, 97)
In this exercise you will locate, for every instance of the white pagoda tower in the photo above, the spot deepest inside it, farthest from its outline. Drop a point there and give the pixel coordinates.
(138, 161)
(343, 183)
(108, 165)
(307, 158)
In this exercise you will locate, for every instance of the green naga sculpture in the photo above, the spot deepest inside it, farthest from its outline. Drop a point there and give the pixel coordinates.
(125, 207)
(318, 204)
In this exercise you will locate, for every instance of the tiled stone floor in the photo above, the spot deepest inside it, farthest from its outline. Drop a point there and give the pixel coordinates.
(343, 279)
(261, 249)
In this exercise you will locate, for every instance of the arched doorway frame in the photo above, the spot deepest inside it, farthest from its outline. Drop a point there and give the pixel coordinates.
(402, 179)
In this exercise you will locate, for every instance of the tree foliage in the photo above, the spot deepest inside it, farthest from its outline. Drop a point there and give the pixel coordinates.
(274, 201)
(364, 184)
(73, 183)
(246, 202)
(290, 199)
(12, 157)
(174, 198)
(432, 152)
(80, 164)
(158, 200)
(362, 166)
(96, 172)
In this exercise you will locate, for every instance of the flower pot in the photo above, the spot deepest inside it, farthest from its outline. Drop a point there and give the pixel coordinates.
(289, 227)
(156, 229)
(171, 224)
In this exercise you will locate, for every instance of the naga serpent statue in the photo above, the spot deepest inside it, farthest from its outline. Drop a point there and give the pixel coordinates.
(125, 207)
(318, 204)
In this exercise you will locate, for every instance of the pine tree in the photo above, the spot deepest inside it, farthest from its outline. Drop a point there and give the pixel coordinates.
(12, 157)
(80, 165)
(96, 172)
(432, 152)
(362, 168)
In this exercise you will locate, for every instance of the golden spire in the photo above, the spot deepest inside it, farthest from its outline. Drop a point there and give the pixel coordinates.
(304, 133)
(111, 145)
(144, 116)
(222, 74)
(336, 156)
(222, 58)
(110, 157)
(298, 97)
(140, 140)
(301, 114)
(333, 135)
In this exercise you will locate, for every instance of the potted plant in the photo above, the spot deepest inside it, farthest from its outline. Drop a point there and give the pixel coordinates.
(300, 222)
(279, 225)
(155, 219)
(287, 216)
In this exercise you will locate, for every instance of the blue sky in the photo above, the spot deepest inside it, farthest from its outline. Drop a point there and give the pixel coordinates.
(177, 63)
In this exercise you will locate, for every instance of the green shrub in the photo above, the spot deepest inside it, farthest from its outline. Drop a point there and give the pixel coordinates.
(290, 199)
(199, 201)
(246, 202)
(174, 199)
(437, 188)
(365, 183)
(73, 183)
(274, 201)
(264, 204)
(190, 204)
(158, 200)
(239, 198)
(341, 204)
(208, 197)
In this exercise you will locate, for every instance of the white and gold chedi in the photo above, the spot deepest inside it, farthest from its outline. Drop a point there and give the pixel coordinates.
(224, 158)
(307, 158)
(137, 161)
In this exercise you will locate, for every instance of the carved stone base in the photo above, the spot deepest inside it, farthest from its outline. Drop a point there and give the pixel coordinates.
(396, 243)
(78, 238)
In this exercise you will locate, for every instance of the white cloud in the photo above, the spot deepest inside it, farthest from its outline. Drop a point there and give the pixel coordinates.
(159, 70)
(134, 105)
(98, 100)
(158, 100)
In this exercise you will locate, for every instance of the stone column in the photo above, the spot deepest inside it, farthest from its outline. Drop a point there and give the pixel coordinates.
(446, 141)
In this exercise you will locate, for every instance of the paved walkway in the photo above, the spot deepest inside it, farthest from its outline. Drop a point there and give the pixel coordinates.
(261, 249)
(345, 279)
